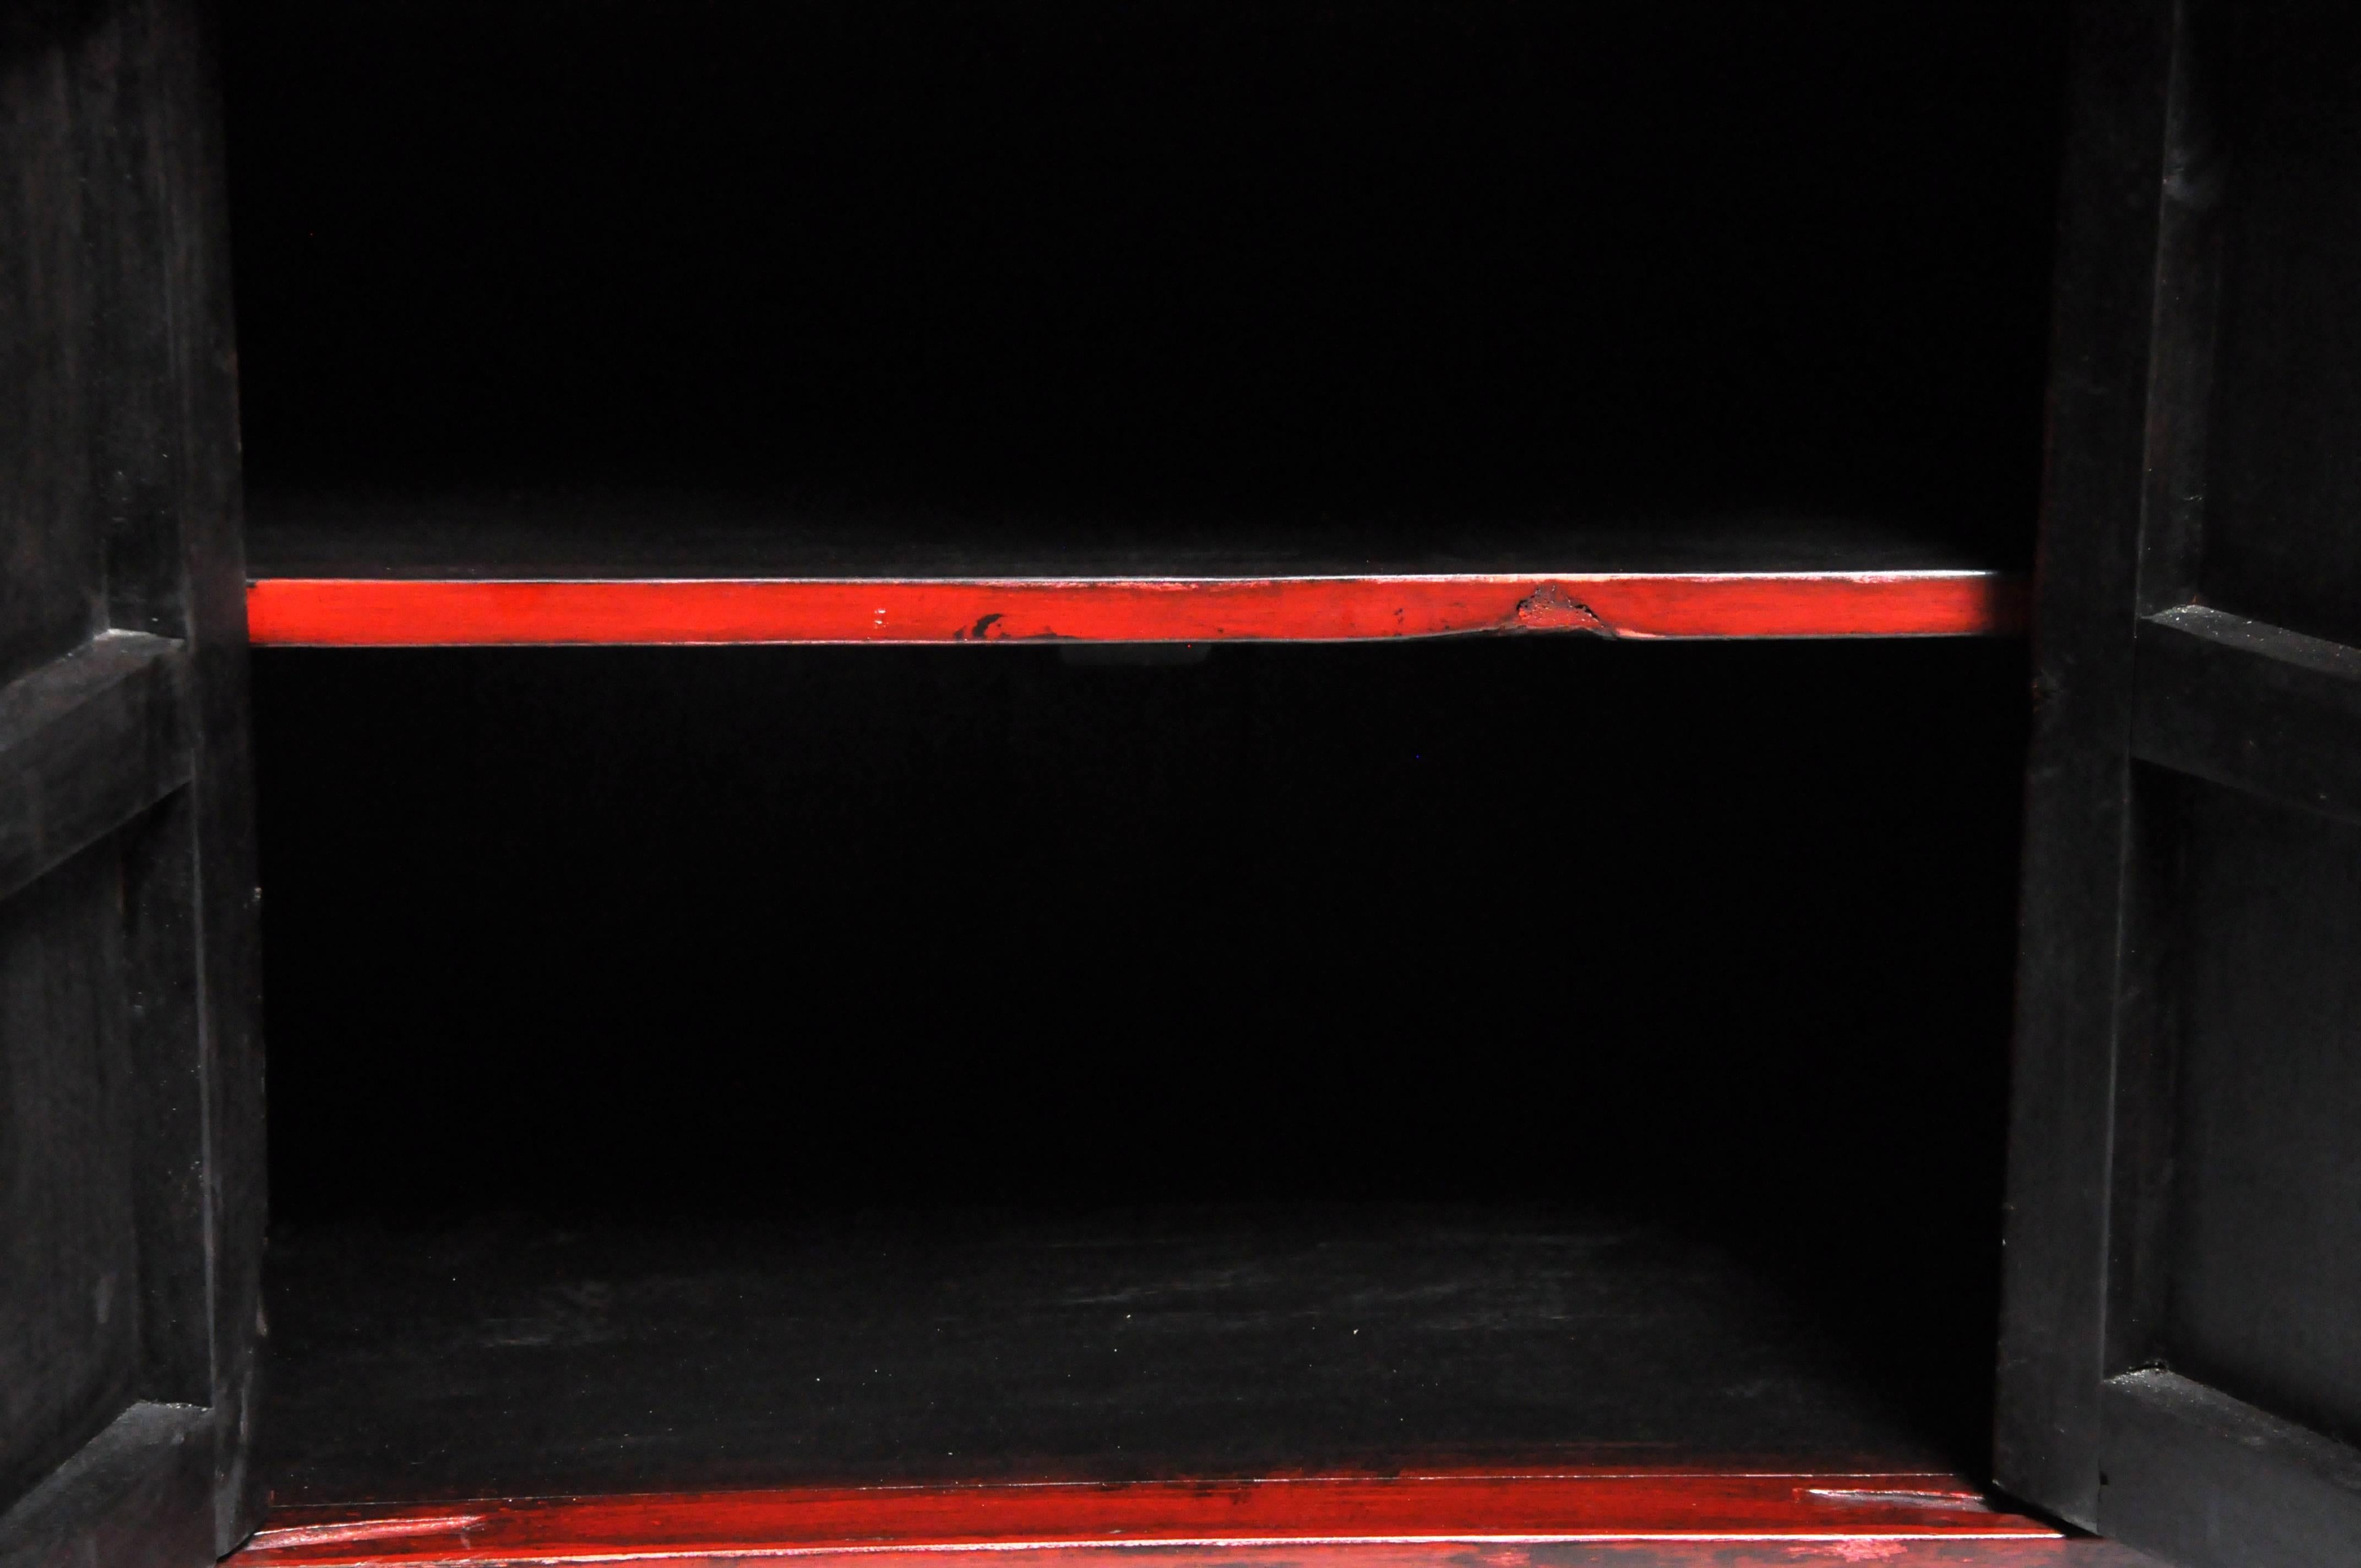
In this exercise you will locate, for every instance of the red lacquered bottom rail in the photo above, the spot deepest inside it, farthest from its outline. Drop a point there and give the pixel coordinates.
(1514, 1510)
(391, 613)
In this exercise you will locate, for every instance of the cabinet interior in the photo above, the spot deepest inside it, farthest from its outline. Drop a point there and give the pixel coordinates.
(1524, 1051)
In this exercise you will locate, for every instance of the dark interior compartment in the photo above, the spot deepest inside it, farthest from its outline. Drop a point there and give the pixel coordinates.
(1399, 265)
(514, 1359)
(1613, 1034)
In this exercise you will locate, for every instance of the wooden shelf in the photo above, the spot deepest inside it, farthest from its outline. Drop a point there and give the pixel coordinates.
(682, 568)
(1876, 1512)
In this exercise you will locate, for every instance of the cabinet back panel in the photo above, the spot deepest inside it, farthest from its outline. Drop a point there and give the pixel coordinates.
(1449, 919)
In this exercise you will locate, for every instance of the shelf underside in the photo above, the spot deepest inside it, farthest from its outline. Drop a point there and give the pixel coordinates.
(687, 568)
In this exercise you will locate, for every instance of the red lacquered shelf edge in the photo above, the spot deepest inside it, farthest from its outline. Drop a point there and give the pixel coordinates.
(418, 612)
(1507, 1510)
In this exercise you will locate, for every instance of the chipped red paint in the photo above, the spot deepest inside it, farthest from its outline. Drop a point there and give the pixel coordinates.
(389, 613)
(1502, 1509)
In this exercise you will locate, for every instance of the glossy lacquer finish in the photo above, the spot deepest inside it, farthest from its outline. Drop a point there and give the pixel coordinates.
(358, 568)
(1494, 1510)
(356, 613)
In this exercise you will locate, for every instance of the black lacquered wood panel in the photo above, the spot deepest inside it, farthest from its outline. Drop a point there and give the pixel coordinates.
(2265, 1232)
(69, 1320)
(2269, 710)
(130, 1073)
(2205, 1477)
(2193, 888)
(2280, 540)
(86, 744)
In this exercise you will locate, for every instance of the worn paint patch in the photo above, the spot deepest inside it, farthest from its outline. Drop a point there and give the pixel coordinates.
(1550, 608)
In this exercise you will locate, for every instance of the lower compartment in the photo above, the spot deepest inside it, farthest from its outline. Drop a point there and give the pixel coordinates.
(519, 1360)
(1276, 1374)
(1504, 1098)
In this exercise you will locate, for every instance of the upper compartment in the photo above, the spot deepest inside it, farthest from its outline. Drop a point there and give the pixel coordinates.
(1199, 291)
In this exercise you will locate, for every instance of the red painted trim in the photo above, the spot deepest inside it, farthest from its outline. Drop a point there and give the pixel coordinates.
(389, 613)
(1509, 1510)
